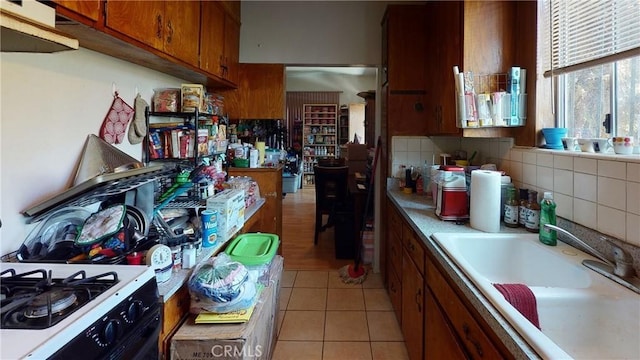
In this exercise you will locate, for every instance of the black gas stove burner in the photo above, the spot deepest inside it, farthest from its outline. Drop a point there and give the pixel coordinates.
(37, 300)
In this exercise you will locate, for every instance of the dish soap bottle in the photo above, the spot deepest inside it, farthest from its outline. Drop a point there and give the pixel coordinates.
(548, 216)
(532, 223)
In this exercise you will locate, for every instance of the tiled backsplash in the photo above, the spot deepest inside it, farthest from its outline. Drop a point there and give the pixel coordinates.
(600, 192)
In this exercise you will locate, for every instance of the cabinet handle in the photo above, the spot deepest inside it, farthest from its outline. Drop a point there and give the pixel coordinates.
(468, 337)
(412, 247)
(418, 299)
(271, 194)
(419, 107)
(159, 27)
(170, 36)
(393, 287)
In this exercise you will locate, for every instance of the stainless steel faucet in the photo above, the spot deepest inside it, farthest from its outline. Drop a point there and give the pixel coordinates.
(620, 270)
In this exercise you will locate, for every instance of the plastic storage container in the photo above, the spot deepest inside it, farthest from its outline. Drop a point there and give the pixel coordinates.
(253, 248)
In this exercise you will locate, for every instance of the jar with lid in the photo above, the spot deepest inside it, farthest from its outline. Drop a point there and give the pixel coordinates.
(176, 253)
(511, 209)
(532, 223)
(188, 255)
(522, 213)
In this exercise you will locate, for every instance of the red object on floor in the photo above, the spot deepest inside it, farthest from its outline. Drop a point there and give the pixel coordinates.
(522, 298)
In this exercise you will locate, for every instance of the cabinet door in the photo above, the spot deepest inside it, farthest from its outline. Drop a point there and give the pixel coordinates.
(472, 335)
(211, 37)
(182, 30)
(394, 288)
(231, 48)
(412, 308)
(440, 341)
(405, 46)
(174, 311)
(444, 17)
(86, 8)
(406, 114)
(140, 20)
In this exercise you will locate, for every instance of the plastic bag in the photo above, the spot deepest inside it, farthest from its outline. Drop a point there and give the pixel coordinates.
(221, 285)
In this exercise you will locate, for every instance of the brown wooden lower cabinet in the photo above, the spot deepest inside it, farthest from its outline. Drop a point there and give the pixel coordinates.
(174, 311)
(440, 341)
(471, 334)
(437, 322)
(269, 180)
(394, 288)
(412, 308)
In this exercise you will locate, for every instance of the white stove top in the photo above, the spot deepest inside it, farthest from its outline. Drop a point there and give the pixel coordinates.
(40, 343)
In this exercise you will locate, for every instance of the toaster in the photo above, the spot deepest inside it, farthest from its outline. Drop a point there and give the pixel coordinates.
(452, 201)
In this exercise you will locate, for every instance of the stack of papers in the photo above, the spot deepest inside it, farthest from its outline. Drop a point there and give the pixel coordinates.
(234, 317)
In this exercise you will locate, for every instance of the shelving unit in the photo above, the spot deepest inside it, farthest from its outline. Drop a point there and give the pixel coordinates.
(183, 141)
(319, 137)
(187, 137)
(343, 125)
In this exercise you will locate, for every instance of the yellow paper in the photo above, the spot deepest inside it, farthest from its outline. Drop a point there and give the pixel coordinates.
(238, 316)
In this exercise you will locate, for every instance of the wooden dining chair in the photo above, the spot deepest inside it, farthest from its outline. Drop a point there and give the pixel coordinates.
(331, 194)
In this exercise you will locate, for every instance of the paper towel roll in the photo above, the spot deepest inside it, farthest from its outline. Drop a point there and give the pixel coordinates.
(484, 209)
(260, 146)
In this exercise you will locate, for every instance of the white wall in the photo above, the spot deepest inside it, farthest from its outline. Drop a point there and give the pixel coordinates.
(311, 32)
(350, 85)
(49, 104)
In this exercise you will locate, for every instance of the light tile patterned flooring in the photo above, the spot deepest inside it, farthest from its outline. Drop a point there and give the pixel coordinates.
(322, 318)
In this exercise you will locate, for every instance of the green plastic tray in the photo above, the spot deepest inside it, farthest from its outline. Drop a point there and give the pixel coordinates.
(253, 248)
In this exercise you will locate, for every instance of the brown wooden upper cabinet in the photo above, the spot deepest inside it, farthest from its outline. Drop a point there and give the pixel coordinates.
(403, 63)
(403, 47)
(219, 41)
(88, 8)
(444, 43)
(260, 93)
(172, 27)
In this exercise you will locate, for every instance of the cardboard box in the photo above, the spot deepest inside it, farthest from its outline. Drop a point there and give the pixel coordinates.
(254, 339)
(357, 152)
(230, 207)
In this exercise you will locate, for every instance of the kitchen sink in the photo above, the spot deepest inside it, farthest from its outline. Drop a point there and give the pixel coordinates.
(581, 313)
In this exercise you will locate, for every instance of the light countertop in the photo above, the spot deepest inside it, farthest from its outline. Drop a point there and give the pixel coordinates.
(180, 277)
(419, 212)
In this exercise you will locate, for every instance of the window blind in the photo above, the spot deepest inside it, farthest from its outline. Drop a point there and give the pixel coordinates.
(588, 33)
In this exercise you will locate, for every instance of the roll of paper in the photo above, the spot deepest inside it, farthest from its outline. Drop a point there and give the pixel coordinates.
(484, 209)
(254, 154)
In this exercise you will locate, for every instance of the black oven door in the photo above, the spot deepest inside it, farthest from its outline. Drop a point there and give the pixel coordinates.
(117, 337)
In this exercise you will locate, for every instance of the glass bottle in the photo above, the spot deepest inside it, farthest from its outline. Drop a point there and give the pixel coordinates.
(548, 216)
(522, 213)
(532, 223)
(511, 209)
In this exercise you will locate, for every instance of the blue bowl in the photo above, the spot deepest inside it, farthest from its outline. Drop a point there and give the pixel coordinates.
(553, 136)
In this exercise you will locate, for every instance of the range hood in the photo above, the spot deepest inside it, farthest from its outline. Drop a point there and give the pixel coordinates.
(29, 26)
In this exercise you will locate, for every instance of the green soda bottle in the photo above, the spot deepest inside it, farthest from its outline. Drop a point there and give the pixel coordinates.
(548, 216)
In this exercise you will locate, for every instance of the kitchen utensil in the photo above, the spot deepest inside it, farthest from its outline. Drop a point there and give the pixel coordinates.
(181, 179)
(473, 157)
(61, 226)
(102, 225)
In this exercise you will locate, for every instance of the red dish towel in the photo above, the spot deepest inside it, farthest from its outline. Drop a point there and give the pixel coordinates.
(522, 298)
